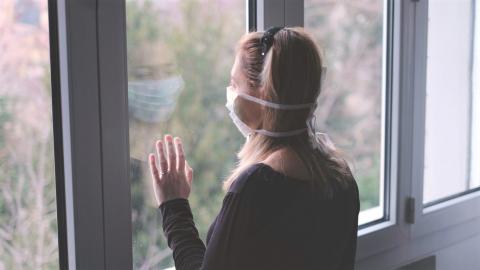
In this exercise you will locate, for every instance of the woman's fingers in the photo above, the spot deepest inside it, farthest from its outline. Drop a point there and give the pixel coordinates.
(170, 153)
(180, 155)
(188, 172)
(174, 159)
(171, 175)
(153, 168)
(163, 166)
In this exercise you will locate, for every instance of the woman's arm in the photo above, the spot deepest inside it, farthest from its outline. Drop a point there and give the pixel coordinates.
(230, 245)
(172, 179)
(181, 233)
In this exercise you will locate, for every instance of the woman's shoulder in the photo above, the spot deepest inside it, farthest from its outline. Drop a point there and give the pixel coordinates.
(244, 177)
(260, 176)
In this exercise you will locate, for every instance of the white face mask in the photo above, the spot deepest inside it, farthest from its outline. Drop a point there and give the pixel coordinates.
(318, 140)
(245, 129)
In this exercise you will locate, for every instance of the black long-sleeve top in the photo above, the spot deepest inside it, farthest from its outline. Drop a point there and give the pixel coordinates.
(268, 220)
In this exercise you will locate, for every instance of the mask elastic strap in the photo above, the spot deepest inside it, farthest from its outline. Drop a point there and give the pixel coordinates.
(279, 134)
(275, 105)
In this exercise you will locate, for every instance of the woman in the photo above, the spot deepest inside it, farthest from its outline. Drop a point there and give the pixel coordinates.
(292, 202)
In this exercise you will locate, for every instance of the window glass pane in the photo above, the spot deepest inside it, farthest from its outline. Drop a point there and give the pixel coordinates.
(475, 163)
(351, 106)
(28, 216)
(180, 53)
(450, 128)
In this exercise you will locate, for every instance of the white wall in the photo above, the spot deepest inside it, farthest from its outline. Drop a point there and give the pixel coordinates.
(463, 255)
(455, 248)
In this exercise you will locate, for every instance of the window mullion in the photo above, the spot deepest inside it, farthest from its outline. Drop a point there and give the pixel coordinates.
(92, 55)
(270, 13)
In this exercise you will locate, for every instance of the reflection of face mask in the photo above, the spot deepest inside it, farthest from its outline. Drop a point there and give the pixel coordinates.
(245, 129)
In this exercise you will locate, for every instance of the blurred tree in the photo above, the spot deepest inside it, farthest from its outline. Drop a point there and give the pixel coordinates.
(28, 225)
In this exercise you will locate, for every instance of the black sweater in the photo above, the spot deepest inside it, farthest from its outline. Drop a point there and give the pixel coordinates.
(268, 220)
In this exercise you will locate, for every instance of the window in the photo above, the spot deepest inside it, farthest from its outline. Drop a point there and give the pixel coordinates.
(179, 55)
(179, 58)
(391, 117)
(452, 118)
(353, 111)
(28, 209)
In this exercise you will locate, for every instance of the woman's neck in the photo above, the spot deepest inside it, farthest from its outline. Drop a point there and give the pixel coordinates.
(286, 161)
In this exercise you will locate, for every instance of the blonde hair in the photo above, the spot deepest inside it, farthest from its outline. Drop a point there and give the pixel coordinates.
(290, 73)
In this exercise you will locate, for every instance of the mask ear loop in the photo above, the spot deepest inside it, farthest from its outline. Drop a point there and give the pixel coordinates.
(319, 140)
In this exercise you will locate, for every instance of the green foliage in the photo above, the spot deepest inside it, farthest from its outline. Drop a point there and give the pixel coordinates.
(368, 185)
(142, 25)
(4, 118)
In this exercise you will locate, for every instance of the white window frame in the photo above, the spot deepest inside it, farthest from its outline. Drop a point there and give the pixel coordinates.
(94, 156)
(447, 213)
(433, 228)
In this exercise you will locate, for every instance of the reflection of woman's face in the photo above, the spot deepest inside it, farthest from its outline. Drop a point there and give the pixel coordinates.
(248, 111)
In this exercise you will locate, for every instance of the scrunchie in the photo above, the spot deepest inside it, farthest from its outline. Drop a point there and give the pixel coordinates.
(267, 38)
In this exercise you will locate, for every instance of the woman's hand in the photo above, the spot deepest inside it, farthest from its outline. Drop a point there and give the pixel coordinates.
(173, 176)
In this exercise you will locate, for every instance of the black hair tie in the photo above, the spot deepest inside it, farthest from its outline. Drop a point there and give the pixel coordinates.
(267, 38)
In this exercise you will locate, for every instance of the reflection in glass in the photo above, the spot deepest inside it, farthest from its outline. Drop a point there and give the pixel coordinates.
(351, 107)
(154, 101)
(180, 53)
(28, 215)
